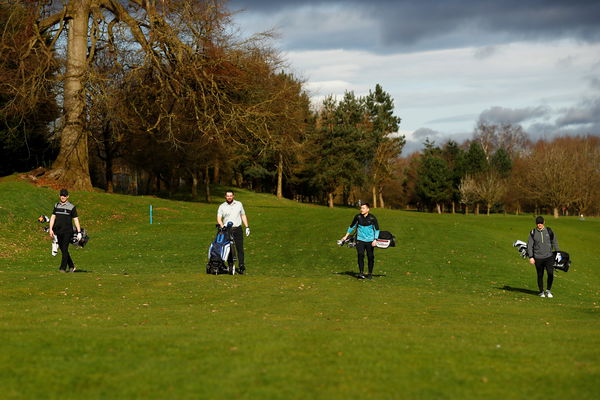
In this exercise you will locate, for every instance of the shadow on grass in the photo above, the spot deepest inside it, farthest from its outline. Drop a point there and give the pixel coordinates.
(521, 290)
(80, 270)
(355, 274)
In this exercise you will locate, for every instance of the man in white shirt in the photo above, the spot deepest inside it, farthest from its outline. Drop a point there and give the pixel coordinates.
(233, 211)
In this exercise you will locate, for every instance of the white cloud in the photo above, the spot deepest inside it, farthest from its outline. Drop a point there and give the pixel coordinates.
(442, 89)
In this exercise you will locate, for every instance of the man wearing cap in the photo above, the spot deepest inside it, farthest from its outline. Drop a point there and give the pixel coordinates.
(61, 225)
(539, 249)
(233, 211)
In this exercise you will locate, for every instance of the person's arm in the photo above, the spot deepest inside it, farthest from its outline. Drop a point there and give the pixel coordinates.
(76, 221)
(530, 248)
(351, 228)
(245, 220)
(219, 217)
(555, 242)
(375, 230)
(51, 227)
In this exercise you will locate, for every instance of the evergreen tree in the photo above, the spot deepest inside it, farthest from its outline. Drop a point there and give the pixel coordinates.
(434, 183)
(385, 147)
(501, 163)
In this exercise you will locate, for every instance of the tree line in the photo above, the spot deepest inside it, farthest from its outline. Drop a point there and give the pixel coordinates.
(150, 97)
(501, 170)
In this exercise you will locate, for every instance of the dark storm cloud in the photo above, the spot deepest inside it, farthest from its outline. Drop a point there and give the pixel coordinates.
(442, 24)
(502, 115)
(423, 133)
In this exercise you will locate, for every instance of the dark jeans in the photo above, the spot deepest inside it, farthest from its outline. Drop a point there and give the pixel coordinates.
(238, 236)
(360, 250)
(64, 239)
(540, 266)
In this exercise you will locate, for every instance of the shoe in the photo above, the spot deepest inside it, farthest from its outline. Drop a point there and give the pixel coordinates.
(542, 294)
(62, 270)
(73, 269)
(549, 294)
(369, 276)
(361, 276)
(240, 271)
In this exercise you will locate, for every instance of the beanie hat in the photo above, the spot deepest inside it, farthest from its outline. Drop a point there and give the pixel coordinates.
(539, 220)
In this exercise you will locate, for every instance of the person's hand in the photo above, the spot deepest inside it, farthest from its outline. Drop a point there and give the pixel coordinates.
(247, 231)
(51, 232)
(79, 236)
(532, 260)
(374, 243)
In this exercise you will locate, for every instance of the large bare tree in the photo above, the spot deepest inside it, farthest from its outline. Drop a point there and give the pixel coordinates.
(181, 45)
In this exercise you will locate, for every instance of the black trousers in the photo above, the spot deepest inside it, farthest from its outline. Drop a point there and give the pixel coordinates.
(238, 236)
(64, 238)
(541, 265)
(360, 251)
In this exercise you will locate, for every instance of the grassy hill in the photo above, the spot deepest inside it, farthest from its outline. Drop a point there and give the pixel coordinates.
(452, 312)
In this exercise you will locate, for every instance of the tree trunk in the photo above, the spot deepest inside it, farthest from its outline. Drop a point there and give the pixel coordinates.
(466, 209)
(206, 184)
(555, 212)
(108, 150)
(374, 195)
(381, 203)
(194, 174)
(477, 209)
(453, 207)
(330, 199)
(216, 172)
(489, 206)
(280, 177)
(71, 167)
(438, 208)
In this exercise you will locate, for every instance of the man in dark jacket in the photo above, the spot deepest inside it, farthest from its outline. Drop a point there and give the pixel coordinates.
(61, 225)
(539, 250)
(367, 229)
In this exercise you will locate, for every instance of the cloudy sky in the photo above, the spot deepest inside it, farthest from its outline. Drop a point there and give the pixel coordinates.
(447, 63)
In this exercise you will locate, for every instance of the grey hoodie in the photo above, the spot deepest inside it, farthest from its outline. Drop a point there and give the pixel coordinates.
(539, 245)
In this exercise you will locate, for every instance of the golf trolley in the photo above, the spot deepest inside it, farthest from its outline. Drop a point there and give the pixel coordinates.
(222, 253)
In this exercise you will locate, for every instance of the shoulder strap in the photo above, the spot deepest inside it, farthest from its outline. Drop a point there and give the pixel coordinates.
(550, 233)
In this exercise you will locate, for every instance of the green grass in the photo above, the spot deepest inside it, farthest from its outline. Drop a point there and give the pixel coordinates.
(452, 314)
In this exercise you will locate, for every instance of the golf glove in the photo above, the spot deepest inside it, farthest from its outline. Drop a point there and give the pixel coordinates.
(78, 236)
(247, 231)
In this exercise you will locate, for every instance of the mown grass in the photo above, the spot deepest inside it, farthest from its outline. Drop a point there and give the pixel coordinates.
(452, 312)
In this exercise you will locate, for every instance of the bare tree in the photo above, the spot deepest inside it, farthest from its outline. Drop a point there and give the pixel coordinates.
(182, 44)
(468, 192)
(490, 187)
(549, 175)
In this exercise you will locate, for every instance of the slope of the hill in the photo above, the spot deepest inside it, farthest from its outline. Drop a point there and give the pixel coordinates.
(451, 313)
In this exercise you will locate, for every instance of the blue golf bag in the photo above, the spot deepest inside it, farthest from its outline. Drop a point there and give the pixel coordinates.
(218, 253)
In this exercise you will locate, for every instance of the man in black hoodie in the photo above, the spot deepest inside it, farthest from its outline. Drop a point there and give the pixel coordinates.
(539, 250)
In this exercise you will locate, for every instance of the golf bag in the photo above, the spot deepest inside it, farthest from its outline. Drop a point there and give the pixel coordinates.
(84, 238)
(350, 241)
(385, 240)
(219, 253)
(562, 260)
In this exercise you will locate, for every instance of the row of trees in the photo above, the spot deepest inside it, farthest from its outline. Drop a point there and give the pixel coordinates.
(508, 173)
(164, 95)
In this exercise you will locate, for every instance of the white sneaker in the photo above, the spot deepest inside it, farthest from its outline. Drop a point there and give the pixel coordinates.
(542, 294)
(549, 294)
